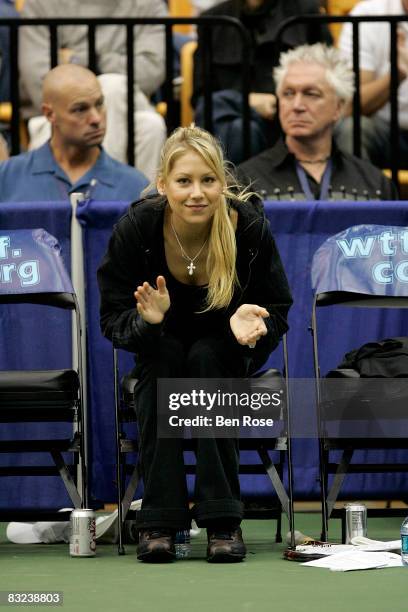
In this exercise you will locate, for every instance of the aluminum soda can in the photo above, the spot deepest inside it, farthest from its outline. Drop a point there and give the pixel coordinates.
(356, 521)
(82, 541)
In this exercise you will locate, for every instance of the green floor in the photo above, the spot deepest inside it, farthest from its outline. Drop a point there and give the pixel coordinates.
(263, 582)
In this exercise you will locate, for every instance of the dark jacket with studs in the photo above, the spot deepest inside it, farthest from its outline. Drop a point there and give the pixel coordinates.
(273, 174)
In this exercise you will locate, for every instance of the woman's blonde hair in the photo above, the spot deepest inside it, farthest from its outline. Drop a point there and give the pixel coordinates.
(222, 249)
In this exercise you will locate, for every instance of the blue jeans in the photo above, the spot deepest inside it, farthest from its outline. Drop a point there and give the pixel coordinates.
(228, 125)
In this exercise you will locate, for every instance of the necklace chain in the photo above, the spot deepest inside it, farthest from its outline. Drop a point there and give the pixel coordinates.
(313, 161)
(191, 267)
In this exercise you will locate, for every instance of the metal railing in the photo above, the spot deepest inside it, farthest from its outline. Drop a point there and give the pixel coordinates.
(205, 24)
(172, 115)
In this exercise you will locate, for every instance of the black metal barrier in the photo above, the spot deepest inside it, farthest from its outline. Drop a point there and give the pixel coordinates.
(206, 23)
(172, 121)
(393, 21)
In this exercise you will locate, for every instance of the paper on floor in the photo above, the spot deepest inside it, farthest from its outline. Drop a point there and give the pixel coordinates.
(356, 560)
(358, 543)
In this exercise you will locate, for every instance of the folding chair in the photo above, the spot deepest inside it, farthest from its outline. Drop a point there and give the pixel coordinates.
(355, 268)
(32, 272)
(264, 448)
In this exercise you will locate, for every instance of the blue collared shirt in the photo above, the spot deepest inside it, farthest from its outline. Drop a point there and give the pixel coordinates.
(37, 176)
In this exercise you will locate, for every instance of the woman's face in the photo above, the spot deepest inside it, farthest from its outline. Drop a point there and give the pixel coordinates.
(192, 189)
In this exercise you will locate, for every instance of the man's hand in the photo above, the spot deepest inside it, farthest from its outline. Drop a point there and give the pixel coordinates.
(264, 104)
(248, 325)
(152, 304)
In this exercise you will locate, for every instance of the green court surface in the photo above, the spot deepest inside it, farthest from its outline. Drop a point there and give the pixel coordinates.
(264, 582)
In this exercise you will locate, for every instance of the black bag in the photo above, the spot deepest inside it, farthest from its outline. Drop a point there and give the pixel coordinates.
(385, 359)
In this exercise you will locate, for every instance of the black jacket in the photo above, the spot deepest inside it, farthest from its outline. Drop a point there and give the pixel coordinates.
(261, 26)
(131, 259)
(273, 173)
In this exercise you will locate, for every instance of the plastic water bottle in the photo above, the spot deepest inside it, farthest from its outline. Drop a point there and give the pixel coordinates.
(404, 542)
(182, 543)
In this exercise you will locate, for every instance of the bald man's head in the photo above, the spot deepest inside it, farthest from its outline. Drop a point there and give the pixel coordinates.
(61, 78)
(73, 104)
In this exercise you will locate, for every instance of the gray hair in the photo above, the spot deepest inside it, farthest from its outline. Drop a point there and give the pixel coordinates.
(338, 72)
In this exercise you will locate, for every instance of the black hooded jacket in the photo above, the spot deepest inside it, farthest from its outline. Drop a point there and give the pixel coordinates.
(131, 259)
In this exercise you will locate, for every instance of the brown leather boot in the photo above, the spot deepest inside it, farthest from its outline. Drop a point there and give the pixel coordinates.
(156, 546)
(225, 546)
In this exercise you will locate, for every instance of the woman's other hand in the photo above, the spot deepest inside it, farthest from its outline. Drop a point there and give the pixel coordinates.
(248, 325)
(153, 303)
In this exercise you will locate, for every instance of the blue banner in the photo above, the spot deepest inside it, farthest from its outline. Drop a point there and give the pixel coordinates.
(368, 259)
(31, 262)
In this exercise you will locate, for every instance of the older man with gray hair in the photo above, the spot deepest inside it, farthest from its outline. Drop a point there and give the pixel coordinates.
(313, 86)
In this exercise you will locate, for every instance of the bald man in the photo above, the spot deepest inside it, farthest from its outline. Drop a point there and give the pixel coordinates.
(73, 160)
(111, 62)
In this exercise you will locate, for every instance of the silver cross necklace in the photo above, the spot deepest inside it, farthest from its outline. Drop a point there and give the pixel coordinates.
(191, 267)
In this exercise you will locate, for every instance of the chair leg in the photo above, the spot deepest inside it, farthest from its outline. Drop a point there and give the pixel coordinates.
(339, 476)
(323, 455)
(119, 453)
(343, 528)
(278, 536)
(67, 479)
(275, 478)
(130, 492)
(119, 484)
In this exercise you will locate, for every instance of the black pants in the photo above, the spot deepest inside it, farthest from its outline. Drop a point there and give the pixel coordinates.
(217, 490)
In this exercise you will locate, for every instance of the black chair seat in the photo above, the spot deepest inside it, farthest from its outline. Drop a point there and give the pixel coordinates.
(44, 385)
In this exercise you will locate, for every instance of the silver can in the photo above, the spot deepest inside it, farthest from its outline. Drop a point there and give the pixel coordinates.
(356, 521)
(82, 542)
